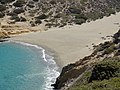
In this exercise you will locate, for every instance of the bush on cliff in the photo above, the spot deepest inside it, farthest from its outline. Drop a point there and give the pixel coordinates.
(111, 84)
(104, 76)
(105, 70)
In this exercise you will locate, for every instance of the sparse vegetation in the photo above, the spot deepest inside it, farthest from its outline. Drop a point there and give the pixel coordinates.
(102, 69)
(43, 16)
(104, 76)
(111, 84)
(55, 11)
(19, 3)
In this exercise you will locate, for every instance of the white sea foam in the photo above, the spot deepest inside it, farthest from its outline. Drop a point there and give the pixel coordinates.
(31, 45)
(51, 72)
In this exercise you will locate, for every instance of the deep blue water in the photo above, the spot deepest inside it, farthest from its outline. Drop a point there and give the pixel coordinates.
(24, 67)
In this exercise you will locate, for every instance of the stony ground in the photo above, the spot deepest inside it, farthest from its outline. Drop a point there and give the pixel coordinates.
(56, 12)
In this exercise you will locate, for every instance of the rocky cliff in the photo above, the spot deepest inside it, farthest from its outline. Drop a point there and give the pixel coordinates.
(72, 72)
(3, 35)
(8, 30)
(56, 12)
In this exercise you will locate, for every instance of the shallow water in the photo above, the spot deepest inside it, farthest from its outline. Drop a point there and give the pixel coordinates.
(25, 67)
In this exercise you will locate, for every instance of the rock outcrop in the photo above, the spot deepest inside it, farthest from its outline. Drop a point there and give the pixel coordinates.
(3, 35)
(8, 30)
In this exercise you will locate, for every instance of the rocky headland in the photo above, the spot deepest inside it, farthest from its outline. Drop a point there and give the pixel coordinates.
(102, 64)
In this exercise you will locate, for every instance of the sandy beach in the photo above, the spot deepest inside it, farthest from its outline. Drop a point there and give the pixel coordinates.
(70, 43)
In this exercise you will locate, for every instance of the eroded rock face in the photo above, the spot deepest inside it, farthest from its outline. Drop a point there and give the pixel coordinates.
(3, 35)
(8, 30)
(67, 76)
(70, 72)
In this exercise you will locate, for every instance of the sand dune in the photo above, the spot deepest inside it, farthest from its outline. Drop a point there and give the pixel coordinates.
(69, 44)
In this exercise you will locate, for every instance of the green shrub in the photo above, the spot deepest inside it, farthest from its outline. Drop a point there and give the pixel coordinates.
(83, 1)
(104, 76)
(74, 10)
(6, 1)
(109, 50)
(79, 21)
(2, 14)
(112, 84)
(15, 18)
(43, 16)
(80, 16)
(38, 21)
(2, 8)
(111, 11)
(19, 3)
(105, 70)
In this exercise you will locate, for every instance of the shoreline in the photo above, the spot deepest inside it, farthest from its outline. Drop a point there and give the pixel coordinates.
(48, 59)
(71, 43)
(48, 51)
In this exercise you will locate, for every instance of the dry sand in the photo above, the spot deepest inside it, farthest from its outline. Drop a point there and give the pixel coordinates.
(69, 43)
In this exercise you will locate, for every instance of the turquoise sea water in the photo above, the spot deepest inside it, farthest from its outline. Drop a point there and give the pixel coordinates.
(25, 67)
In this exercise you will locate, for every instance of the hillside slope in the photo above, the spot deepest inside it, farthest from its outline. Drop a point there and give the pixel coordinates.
(104, 75)
(73, 72)
(56, 12)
